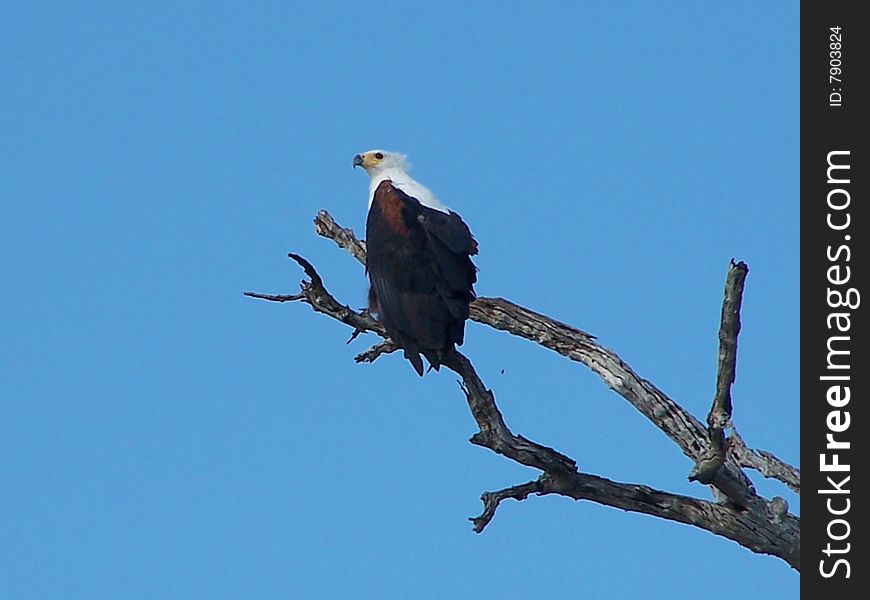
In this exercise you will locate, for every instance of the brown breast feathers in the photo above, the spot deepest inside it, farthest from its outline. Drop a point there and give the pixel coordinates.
(389, 202)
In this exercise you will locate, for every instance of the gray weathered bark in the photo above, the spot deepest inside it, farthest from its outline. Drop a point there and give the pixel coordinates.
(763, 526)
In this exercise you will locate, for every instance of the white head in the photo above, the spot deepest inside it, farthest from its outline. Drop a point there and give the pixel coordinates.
(381, 165)
(377, 161)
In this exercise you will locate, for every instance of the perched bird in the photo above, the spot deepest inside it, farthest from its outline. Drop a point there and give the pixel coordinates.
(419, 261)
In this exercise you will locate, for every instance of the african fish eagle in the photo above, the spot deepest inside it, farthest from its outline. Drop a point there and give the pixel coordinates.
(419, 261)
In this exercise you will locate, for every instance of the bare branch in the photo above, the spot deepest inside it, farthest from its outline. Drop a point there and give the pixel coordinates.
(315, 293)
(709, 465)
(769, 530)
(494, 433)
(753, 529)
(491, 500)
(764, 527)
(276, 297)
(678, 424)
(764, 462)
(372, 354)
(720, 413)
(326, 226)
(776, 532)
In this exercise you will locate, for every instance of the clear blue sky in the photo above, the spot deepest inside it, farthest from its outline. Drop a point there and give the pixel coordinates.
(165, 437)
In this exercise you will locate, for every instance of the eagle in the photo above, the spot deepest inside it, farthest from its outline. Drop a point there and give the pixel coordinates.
(418, 262)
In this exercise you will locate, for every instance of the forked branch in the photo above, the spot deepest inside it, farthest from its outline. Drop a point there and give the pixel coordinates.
(762, 526)
(678, 424)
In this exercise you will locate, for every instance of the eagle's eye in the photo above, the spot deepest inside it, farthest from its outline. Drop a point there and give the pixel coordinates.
(379, 155)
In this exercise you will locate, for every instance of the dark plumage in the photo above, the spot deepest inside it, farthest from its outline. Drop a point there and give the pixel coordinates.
(421, 274)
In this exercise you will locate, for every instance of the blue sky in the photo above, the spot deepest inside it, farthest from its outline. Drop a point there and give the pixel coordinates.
(163, 436)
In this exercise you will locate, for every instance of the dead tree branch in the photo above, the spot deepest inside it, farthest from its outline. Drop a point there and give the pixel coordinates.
(765, 463)
(314, 294)
(762, 526)
(708, 468)
(678, 424)
(491, 500)
(373, 353)
(720, 413)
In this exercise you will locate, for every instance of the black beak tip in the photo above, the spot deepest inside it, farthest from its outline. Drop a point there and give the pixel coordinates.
(357, 160)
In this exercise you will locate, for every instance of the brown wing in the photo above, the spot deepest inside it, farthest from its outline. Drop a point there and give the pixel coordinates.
(421, 274)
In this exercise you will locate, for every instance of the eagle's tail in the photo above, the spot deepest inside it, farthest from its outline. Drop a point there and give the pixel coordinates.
(415, 360)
